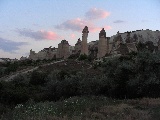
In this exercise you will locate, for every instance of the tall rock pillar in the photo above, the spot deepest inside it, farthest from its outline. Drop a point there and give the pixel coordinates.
(63, 50)
(84, 47)
(102, 44)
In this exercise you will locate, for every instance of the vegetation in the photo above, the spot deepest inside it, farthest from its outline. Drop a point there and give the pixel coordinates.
(11, 67)
(83, 57)
(74, 56)
(132, 76)
(87, 108)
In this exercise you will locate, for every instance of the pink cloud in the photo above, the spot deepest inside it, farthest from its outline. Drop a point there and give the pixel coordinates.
(39, 35)
(49, 35)
(73, 24)
(107, 27)
(78, 25)
(72, 36)
(95, 13)
(97, 29)
(94, 29)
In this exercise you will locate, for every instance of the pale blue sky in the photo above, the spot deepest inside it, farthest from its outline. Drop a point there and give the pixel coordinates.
(35, 24)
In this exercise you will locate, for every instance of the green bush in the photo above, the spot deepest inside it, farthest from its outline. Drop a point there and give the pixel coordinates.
(134, 75)
(38, 78)
(74, 56)
(62, 74)
(83, 57)
(12, 94)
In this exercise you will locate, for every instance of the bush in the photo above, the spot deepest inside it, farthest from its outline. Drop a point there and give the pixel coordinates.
(38, 78)
(83, 57)
(134, 75)
(74, 56)
(12, 94)
(62, 74)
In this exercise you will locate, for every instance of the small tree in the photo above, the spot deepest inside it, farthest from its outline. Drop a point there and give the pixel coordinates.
(83, 57)
(38, 78)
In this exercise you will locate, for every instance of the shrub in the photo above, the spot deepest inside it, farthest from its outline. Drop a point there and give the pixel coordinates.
(134, 75)
(62, 74)
(83, 57)
(38, 78)
(12, 94)
(74, 56)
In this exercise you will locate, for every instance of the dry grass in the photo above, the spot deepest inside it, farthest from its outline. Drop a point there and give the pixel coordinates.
(98, 108)
(146, 102)
(119, 112)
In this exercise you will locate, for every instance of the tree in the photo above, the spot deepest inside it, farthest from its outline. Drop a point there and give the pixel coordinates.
(38, 78)
(83, 57)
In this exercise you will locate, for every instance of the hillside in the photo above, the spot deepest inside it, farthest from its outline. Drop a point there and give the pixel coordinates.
(140, 35)
(114, 88)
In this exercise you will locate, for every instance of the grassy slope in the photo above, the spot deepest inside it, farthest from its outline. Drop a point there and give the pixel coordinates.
(88, 108)
(85, 108)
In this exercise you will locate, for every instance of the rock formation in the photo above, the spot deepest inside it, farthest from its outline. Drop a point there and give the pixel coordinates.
(46, 53)
(102, 44)
(121, 43)
(63, 49)
(84, 47)
(135, 41)
(33, 55)
(93, 49)
(78, 46)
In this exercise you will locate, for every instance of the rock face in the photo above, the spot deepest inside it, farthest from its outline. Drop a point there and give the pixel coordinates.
(23, 58)
(71, 50)
(78, 46)
(93, 49)
(134, 41)
(33, 55)
(46, 53)
(102, 44)
(84, 46)
(121, 43)
(63, 49)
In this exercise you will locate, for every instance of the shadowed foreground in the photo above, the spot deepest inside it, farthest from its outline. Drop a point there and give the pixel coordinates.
(88, 108)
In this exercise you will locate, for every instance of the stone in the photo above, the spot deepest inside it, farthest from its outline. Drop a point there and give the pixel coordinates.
(63, 49)
(121, 43)
(78, 46)
(84, 46)
(46, 53)
(103, 46)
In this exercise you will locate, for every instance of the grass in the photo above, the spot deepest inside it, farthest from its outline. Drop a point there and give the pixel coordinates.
(87, 108)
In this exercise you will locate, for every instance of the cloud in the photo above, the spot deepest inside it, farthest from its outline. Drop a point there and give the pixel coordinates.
(39, 35)
(10, 46)
(72, 36)
(107, 27)
(73, 24)
(95, 13)
(97, 29)
(119, 21)
(78, 25)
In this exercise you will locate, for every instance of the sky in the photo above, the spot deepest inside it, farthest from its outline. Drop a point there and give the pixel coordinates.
(38, 24)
